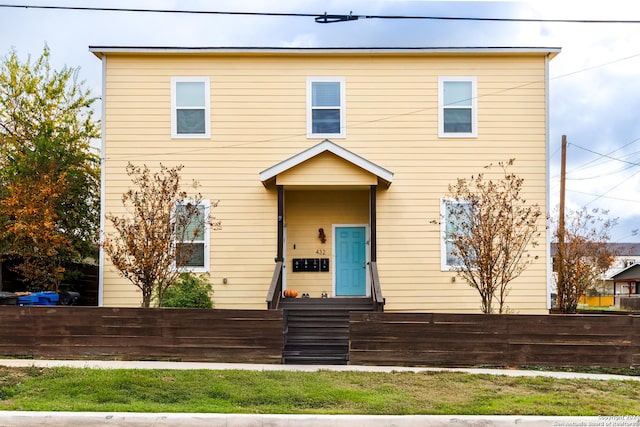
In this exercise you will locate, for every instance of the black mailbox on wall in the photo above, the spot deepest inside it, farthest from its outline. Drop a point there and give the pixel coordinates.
(306, 264)
(310, 264)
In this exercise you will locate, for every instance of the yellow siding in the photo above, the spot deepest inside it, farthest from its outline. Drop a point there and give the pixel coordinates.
(325, 170)
(258, 119)
(306, 213)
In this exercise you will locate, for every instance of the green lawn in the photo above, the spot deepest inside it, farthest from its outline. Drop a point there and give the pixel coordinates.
(324, 392)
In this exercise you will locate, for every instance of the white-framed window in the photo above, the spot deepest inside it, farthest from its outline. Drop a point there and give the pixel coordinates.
(450, 218)
(192, 237)
(326, 112)
(190, 107)
(458, 107)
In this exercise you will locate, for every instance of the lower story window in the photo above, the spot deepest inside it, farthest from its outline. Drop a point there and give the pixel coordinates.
(454, 214)
(192, 236)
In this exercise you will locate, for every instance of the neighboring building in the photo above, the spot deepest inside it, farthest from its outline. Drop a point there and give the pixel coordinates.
(334, 161)
(622, 277)
(626, 281)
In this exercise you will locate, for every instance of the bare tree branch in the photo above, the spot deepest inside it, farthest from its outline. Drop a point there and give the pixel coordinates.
(491, 229)
(586, 255)
(152, 245)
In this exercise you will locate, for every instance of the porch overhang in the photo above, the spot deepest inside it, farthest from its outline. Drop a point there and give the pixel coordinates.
(629, 274)
(306, 169)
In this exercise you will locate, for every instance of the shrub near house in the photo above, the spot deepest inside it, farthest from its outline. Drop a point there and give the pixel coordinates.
(189, 291)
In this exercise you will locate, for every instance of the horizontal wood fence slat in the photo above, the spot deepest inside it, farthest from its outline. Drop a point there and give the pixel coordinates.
(249, 336)
(256, 336)
(434, 339)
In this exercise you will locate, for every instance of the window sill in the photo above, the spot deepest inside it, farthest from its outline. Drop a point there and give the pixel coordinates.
(194, 270)
(191, 136)
(458, 136)
(326, 136)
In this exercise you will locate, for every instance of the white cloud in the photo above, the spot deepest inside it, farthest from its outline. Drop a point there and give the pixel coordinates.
(596, 107)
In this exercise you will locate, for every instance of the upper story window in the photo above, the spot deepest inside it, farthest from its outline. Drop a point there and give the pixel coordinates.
(190, 107)
(325, 107)
(192, 236)
(457, 105)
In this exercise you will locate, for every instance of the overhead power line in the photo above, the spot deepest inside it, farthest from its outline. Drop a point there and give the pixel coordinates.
(408, 113)
(140, 10)
(331, 18)
(605, 155)
(588, 164)
(322, 18)
(352, 17)
(602, 196)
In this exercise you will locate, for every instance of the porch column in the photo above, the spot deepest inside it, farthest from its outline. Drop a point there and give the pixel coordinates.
(280, 249)
(372, 221)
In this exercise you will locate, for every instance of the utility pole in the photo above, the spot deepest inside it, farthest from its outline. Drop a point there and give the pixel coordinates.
(560, 298)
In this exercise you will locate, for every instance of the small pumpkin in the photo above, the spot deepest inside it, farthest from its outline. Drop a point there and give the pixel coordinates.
(290, 293)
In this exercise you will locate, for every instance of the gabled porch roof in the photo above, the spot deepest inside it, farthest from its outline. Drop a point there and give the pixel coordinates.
(631, 273)
(384, 177)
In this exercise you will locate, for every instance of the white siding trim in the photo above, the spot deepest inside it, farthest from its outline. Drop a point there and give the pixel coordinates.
(547, 183)
(103, 173)
(100, 51)
(443, 235)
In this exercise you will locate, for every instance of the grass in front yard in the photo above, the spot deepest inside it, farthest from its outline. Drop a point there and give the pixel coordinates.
(585, 307)
(446, 393)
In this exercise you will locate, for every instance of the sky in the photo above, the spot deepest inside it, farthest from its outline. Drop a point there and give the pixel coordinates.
(593, 89)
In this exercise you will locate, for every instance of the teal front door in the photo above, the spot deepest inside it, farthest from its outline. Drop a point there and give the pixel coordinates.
(351, 272)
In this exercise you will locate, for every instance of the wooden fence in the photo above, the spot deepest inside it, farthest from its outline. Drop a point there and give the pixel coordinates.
(59, 332)
(630, 302)
(432, 339)
(256, 336)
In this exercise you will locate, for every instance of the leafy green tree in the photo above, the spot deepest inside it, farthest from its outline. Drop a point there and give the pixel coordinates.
(491, 228)
(189, 291)
(35, 98)
(49, 174)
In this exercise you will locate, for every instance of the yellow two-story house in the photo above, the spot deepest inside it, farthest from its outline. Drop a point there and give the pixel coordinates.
(330, 166)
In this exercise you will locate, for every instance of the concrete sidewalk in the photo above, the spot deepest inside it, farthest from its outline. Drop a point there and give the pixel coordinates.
(99, 419)
(104, 419)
